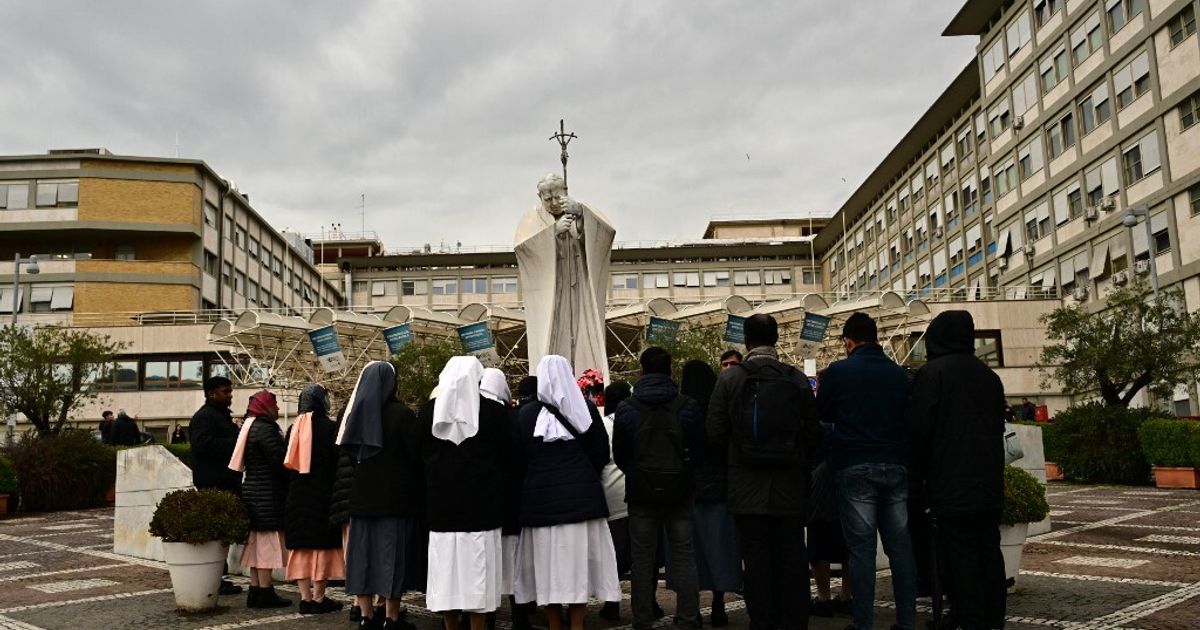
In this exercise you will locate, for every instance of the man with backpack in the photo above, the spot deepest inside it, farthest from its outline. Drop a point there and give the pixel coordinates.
(762, 412)
(658, 440)
(864, 397)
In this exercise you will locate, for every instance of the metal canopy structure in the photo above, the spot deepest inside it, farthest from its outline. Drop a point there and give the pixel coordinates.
(270, 349)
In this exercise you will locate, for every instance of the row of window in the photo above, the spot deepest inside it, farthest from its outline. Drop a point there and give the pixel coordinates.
(248, 287)
(48, 194)
(42, 299)
(159, 373)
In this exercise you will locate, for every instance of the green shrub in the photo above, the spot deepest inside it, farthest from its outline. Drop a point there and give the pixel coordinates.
(67, 471)
(1099, 444)
(1024, 498)
(1051, 441)
(182, 451)
(1171, 442)
(200, 516)
(8, 477)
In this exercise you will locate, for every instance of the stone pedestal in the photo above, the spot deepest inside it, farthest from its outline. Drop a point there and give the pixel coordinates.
(144, 476)
(1033, 463)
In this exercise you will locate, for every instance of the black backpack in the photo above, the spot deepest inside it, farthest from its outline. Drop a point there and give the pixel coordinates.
(766, 427)
(664, 476)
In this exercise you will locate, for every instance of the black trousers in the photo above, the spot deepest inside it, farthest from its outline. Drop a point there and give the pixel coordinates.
(776, 571)
(972, 569)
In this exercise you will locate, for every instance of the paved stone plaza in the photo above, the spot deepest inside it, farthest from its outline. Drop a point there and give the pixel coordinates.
(1117, 558)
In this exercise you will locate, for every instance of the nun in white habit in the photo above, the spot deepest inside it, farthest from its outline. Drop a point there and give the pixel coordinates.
(565, 552)
(469, 452)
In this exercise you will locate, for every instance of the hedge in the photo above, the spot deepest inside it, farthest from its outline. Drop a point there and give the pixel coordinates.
(1100, 444)
(67, 471)
(1024, 498)
(1171, 442)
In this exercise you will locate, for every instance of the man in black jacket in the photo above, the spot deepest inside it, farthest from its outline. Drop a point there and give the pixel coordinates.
(214, 435)
(649, 511)
(956, 429)
(863, 397)
(768, 503)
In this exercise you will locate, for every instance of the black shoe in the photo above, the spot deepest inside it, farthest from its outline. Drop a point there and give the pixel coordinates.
(843, 606)
(821, 608)
(397, 624)
(381, 613)
(267, 598)
(252, 597)
(719, 619)
(321, 607)
(370, 624)
(355, 614)
(659, 613)
(520, 618)
(611, 611)
(228, 588)
(305, 607)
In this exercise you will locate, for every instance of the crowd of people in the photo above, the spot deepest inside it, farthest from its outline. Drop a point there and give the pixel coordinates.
(479, 495)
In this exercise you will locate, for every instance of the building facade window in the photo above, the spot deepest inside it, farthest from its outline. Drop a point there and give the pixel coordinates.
(210, 264)
(993, 60)
(1025, 94)
(14, 196)
(1030, 158)
(239, 237)
(1141, 159)
(509, 285)
(239, 282)
(1189, 111)
(124, 252)
(414, 287)
(1120, 12)
(445, 286)
(1194, 199)
(1132, 80)
(1043, 10)
(1087, 38)
(1006, 178)
(122, 377)
(1000, 118)
(210, 215)
(1094, 109)
(1183, 25)
(1054, 68)
(173, 374)
(1017, 34)
(1060, 135)
(58, 194)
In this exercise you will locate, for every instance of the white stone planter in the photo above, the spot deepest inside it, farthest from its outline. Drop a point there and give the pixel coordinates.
(1012, 543)
(195, 573)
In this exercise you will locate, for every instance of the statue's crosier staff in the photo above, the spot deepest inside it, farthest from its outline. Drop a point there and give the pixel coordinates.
(563, 139)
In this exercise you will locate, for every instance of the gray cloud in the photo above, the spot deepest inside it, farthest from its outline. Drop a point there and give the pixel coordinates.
(440, 112)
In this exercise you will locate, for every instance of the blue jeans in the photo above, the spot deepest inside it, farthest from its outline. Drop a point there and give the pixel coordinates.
(874, 497)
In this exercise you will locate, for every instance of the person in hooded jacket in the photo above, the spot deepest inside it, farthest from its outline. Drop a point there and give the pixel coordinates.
(314, 543)
(469, 449)
(565, 554)
(260, 452)
(386, 498)
(649, 511)
(956, 434)
(125, 431)
(718, 564)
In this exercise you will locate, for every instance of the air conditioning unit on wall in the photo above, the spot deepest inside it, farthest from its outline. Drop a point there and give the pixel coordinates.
(1090, 214)
(1002, 262)
(1142, 267)
(1080, 294)
(1019, 122)
(1108, 204)
(1121, 278)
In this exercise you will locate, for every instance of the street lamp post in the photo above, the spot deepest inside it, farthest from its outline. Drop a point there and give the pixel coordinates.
(33, 269)
(1130, 221)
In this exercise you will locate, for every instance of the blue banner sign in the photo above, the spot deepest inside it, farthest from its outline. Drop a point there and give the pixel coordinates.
(814, 328)
(398, 337)
(735, 330)
(661, 329)
(327, 348)
(476, 337)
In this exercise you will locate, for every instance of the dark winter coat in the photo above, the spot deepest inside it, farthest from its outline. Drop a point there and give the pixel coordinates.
(391, 482)
(343, 484)
(956, 422)
(310, 496)
(561, 481)
(863, 397)
(467, 484)
(762, 491)
(654, 390)
(213, 437)
(125, 432)
(264, 490)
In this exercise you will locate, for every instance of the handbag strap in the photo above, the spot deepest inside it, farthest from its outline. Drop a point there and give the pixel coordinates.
(562, 420)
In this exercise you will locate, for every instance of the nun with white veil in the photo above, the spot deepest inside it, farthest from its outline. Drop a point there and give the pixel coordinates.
(469, 452)
(565, 552)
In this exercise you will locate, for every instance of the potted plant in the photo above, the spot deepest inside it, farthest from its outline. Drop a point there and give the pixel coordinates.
(1173, 449)
(1024, 503)
(8, 483)
(197, 527)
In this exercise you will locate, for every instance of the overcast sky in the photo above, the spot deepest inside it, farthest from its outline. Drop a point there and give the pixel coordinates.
(440, 111)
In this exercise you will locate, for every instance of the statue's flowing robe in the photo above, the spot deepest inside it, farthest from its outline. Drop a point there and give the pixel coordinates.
(564, 286)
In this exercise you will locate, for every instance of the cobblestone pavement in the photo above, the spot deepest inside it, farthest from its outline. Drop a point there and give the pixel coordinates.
(1116, 558)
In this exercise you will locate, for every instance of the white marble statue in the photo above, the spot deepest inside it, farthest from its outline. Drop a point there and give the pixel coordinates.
(563, 250)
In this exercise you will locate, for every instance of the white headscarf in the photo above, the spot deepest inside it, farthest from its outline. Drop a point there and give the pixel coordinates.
(557, 386)
(494, 385)
(456, 409)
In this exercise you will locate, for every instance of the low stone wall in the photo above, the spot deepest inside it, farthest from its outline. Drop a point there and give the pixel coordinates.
(144, 476)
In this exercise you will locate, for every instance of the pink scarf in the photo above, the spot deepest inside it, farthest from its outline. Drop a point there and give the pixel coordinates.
(237, 463)
(299, 448)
